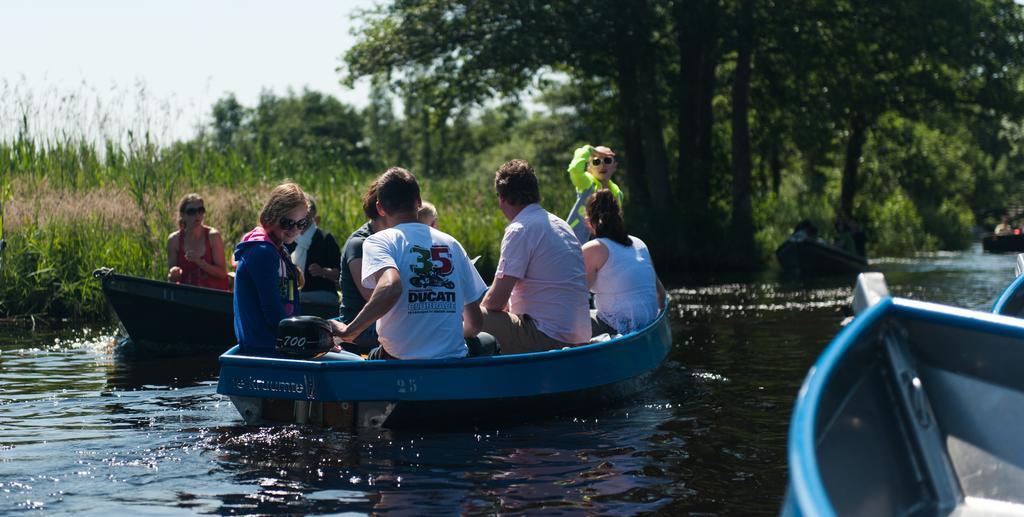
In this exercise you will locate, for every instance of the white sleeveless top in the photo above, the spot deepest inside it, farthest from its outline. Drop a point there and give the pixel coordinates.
(625, 288)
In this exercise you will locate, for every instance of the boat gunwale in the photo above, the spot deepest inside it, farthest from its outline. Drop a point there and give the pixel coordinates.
(1006, 295)
(805, 478)
(197, 292)
(156, 283)
(231, 358)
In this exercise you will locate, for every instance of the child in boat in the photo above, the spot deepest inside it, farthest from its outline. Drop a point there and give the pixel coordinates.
(591, 169)
(620, 273)
(195, 253)
(267, 281)
(427, 214)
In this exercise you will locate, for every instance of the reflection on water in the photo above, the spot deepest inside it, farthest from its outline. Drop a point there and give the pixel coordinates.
(81, 429)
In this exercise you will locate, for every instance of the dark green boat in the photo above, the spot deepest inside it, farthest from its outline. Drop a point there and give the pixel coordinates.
(809, 256)
(166, 319)
(1003, 243)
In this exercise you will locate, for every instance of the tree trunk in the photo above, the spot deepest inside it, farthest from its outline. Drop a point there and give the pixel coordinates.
(697, 30)
(444, 160)
(629, 110)
(854, 148)
(425, 152)
(651, 130)
(776, 165)
(631, 136)
(742, 213)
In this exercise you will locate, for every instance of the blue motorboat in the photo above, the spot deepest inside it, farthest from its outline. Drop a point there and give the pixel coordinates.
(914, 408)
(399, 393)
(1011, 301)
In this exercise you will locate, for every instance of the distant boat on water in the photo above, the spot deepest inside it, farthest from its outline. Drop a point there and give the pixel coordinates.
(805, 255)
(1003, 243)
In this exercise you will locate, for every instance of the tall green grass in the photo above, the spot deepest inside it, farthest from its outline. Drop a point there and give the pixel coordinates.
(76, 207)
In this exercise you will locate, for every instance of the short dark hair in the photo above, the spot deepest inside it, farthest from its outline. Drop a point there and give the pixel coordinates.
(370, 201)
(397, 191)
(516, 183)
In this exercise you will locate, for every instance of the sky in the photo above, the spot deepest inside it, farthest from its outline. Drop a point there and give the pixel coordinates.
(109, 65)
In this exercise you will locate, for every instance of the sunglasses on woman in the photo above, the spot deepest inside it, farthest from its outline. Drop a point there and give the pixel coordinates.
(607, 160)
(287, 224)
(194, 210)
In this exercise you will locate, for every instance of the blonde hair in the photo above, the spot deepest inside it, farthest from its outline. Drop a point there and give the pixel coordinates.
(283, 199)
(427, 214)
(191, 197)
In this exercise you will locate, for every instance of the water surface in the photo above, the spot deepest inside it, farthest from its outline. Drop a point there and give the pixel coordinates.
(82, 430)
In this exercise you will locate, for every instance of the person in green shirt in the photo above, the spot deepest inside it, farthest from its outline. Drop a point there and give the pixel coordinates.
(591, 169)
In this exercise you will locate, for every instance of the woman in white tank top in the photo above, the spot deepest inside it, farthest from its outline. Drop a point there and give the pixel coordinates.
(627, 291)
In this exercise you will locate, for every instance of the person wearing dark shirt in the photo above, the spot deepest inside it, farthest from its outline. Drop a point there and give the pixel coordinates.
(318, 256)
(353, 294)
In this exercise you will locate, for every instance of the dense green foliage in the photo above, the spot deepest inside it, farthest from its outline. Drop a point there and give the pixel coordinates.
(733, 120)
(717, 105)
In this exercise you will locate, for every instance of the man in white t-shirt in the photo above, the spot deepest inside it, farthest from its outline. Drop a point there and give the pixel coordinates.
(426, 293)
(539, 298)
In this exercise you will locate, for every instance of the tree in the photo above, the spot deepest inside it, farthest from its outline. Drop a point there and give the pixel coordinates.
(908, 57)
(469, 52)
(228, 118)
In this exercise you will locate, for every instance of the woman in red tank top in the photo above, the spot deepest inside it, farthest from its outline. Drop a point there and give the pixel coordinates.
(195, 253)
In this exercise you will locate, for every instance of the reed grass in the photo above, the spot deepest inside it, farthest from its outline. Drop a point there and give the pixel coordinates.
(74, 207)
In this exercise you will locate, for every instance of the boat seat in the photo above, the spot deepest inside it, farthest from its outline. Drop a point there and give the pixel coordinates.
(966, 430)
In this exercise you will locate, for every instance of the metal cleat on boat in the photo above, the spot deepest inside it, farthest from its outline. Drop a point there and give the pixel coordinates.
(869, 290)
(102, 272)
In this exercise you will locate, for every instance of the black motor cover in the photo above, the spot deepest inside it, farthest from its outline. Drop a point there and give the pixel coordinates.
(304, 337)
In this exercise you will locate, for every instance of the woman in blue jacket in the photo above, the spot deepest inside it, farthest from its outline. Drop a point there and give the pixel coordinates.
(266, 281)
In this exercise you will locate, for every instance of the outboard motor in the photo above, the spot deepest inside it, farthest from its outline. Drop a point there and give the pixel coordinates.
(304, 337)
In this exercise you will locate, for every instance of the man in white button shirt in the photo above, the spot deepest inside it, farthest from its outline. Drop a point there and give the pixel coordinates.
(539, 299)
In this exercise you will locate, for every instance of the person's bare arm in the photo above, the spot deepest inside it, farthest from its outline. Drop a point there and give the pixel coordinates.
(496, 299)
(384, 296)
(660, 289)
(661, 293)
(326, 273)
(595, 254)
(472, 318)
(217, 269)
(173, 270)
(356, 268)
(172, 250)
